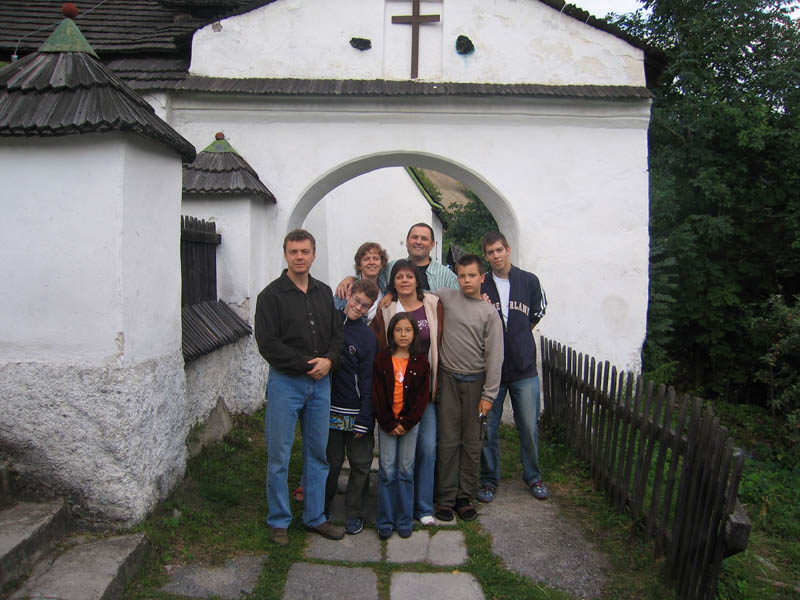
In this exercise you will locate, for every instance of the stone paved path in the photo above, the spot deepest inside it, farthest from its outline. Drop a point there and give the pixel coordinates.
(529, 536)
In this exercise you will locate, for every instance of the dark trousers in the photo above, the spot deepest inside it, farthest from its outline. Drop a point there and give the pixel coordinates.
(359, 453)
(458, 448)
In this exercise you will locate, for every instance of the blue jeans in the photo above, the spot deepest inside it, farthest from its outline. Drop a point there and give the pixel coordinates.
(290, 397)
(525, 402)
(425, 466)
(396, 479)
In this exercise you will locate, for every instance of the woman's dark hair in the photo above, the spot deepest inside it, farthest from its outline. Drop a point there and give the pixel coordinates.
(405, 265)
(414, 348)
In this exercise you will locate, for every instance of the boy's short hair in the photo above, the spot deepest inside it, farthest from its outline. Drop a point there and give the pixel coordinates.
(492, 238)
(369, 289)
(298, 235)
(370, 247)
(470, 259)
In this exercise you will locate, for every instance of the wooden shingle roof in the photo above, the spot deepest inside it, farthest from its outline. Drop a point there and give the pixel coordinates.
(63, 89)
(219, 169)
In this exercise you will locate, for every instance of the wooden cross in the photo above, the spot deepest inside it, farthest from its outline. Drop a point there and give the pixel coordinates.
(415, 20)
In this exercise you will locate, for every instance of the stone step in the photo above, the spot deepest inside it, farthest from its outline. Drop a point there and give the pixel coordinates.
(98, 570)
(27, 532)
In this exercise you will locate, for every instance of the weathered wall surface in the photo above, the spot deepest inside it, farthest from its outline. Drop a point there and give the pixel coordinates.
(236, 373)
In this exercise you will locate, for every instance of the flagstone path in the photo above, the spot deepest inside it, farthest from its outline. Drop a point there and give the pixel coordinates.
(529, 535)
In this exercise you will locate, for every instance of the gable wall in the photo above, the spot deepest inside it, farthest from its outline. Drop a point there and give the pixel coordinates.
(517, 41)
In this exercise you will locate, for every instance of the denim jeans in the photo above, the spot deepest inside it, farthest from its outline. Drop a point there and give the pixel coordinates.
(425, 466)
(396, 479)
(290, 397)
(525, 402)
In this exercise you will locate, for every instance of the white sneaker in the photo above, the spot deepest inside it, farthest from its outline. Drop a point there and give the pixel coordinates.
(427, 520)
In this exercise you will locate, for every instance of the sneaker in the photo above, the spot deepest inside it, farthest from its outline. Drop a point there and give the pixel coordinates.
(444, 513)
(354, 526)
(485, 494)
(427, 520)
(279, 535)
(404, 533)
(385, 533)
(465, 510)
(328, 530)
(539, 490)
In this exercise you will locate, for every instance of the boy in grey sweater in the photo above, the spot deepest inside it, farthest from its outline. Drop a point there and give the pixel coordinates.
(471, 361)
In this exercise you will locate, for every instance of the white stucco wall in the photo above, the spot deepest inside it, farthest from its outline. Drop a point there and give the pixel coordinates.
(565, 179)
(516, 41)
(92, 390)
(381, 205)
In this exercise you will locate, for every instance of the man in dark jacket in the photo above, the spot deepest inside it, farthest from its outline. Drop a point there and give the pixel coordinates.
(521, 303)
(351, 407)
(299, 333)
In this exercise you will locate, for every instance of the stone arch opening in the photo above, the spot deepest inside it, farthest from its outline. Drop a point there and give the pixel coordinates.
(495, 202)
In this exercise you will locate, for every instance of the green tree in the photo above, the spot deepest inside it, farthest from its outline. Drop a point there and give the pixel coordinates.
(467, 223)
(724, 164)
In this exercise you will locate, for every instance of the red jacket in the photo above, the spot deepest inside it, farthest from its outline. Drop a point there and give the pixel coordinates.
(416, 391)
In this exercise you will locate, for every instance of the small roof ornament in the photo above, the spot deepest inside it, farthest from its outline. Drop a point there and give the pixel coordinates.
(220, 144)
(67, 37)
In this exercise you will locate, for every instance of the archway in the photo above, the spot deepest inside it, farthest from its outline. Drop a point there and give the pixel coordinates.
(498, 205)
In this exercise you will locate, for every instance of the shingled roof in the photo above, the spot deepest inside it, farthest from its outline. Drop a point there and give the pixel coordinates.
(219, 169)
(62, 90)
(158, 29)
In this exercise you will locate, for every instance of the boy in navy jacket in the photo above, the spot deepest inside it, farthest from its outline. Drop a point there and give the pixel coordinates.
(521, 303)
(351, 407)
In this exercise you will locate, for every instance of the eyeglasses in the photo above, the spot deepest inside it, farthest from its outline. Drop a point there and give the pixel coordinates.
(360, 305)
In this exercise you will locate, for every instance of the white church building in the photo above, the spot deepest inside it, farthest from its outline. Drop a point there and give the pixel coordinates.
(535, 106)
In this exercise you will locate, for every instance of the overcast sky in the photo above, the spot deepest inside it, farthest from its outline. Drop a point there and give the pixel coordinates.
(600, 8)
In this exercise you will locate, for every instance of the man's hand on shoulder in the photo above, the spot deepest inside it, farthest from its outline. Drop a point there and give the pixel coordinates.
(343, 289)
(385, 301)
(321, 367)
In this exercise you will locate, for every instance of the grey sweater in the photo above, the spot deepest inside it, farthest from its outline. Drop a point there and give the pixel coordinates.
(472, 339)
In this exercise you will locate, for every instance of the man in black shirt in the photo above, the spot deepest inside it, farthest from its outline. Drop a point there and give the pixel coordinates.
(300, 335)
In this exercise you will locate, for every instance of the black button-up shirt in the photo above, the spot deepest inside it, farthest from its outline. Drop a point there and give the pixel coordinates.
(293, 327)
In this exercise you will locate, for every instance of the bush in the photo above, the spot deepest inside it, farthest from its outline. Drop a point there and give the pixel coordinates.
(778, 330)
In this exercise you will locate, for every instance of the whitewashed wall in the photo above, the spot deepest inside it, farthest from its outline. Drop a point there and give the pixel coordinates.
(92, 391)
(565, 179)
(516, 41)
(379, 207)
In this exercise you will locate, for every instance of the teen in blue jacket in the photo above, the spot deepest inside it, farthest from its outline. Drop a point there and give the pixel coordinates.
(520, 301)
(351, 407)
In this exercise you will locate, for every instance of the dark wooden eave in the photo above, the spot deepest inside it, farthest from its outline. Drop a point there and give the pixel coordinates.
(208, 326)
(385, 88)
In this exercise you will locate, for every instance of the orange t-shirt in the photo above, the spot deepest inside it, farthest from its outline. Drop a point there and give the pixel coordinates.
(399, 365)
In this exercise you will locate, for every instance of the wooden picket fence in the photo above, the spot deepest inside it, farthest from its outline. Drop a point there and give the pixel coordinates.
(667, 462)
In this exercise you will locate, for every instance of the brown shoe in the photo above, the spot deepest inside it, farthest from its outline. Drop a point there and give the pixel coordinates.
(328, 530)
(466, 511)
(279, 535)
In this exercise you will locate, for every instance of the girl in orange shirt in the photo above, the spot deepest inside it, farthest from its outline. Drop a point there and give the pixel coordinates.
(400, 393)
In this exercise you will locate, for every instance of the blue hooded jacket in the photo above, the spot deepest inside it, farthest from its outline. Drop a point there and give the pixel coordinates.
(351, 383)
